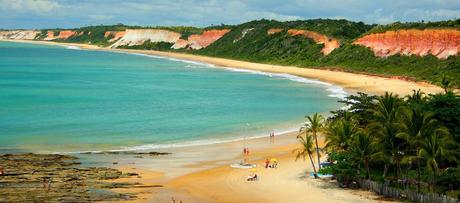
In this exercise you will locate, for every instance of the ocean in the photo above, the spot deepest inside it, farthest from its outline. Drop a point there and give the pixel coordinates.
(66, 100)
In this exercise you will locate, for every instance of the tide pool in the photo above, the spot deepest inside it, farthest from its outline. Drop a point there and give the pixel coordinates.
(58, 99)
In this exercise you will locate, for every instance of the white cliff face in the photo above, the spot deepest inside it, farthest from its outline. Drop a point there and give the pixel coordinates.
(139, 36)
(19, 34)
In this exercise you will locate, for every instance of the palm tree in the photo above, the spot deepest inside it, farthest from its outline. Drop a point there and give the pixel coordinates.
(416, 98)
(416, 125)
(385, 126)
(315, 125)
(446, 84)
(306, 149)
(434, 148)
(339, 133)
(363, 148)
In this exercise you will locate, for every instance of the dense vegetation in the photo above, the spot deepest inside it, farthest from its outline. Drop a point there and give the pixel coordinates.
(148, 45)
(416, 25)
(283, 49)
(410, 142)
(95, 34)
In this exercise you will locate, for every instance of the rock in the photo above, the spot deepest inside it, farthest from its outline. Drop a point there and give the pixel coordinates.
(329, 43)
(441, 43)
(53, 177)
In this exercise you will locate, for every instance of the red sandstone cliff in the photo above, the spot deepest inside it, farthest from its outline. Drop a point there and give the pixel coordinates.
(65, 34)
(329, 43)
(115, 35)
(441, 43)
(206, 38)
(274, 31)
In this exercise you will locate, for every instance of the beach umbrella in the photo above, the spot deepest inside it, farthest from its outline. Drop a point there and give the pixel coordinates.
(253, 170)
(273, 160)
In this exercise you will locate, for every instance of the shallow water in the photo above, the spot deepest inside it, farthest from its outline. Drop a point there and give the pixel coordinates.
(57, 99)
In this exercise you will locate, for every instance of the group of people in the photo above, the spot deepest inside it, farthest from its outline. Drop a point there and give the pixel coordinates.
(246, 151)
(272, 137)
(271, 163)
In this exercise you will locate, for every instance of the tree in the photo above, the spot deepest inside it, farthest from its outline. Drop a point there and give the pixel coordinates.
(359, 105)
(339, 133)
(417, 98)
(446, 84)
(433, 149)
(315, 125)
(385, 126)
(416, 125)
(306, 149)
(363, 148)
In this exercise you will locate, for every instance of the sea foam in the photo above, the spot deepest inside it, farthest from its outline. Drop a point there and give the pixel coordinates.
(334, 90)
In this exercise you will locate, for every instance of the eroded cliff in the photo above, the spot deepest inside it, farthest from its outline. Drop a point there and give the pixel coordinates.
(114, 35)
(206, 38)
(139, 36)
(19, 34)
(329, 43)
(441, 43)
(65, 34)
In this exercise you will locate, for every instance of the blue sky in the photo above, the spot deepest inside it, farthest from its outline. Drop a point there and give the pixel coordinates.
(76, 13)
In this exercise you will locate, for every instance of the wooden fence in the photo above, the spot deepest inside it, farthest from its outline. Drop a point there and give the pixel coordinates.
(407, 194)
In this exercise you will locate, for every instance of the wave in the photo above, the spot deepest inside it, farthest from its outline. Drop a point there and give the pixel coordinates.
(334, 90)
(73, 47)
(192, 143)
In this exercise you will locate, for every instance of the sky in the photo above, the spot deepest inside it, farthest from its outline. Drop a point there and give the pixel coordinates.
(34, 14)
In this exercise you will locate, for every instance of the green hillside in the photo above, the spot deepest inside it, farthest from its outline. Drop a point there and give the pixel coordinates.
(283, 49)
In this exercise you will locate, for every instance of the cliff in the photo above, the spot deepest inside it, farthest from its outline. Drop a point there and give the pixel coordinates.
(329, 43)
(441, 43)
(114, 35)
(65, 34)
(19, 34)
(206, 38)
(274, 31)
(139, 36)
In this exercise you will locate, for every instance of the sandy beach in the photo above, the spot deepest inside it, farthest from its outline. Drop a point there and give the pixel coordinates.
(202, 173)
(350, 81)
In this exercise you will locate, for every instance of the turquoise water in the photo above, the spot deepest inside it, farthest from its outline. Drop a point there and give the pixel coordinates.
(56, 99)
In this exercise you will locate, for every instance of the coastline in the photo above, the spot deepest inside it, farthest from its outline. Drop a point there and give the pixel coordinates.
(350, 81)
(189, 172)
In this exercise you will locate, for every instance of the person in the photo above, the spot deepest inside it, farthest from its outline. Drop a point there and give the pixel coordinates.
(1, 171)
(49, 183)
(245, 150)
(249, 177)
(267, 162)
(44, 183)
(252, 177)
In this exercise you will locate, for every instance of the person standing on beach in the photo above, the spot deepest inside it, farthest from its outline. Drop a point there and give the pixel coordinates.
(267, 162)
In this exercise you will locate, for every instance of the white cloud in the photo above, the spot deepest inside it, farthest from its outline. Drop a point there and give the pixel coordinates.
(40, 7)
(101, 17)
(74, 13)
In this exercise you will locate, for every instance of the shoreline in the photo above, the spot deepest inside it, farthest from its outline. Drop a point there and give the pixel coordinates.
(190, 171)
(352, 82)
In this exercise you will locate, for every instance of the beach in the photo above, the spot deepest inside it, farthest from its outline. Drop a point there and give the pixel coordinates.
(351, 81)
(202, 173)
